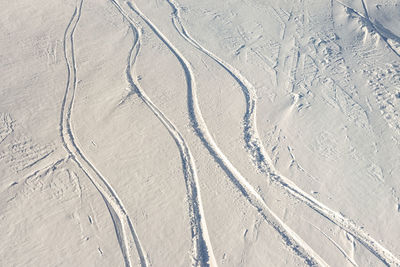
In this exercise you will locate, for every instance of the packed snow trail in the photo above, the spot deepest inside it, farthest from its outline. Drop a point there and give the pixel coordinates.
(127, 237)
(291, 239)
(264, 162)
(202, 253)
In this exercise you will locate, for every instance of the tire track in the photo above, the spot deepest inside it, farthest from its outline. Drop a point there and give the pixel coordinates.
(291, 239)
(127, 237)
(264, 163)
(202, 253)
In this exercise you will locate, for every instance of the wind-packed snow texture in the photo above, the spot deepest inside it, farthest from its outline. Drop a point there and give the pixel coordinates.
(200, 133)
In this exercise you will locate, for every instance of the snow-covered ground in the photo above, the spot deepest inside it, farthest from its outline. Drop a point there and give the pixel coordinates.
(200, 133)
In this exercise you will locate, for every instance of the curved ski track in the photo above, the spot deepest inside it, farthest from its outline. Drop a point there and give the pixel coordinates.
(264, 162)
(127, 238)
(291, 239)
(202, 254)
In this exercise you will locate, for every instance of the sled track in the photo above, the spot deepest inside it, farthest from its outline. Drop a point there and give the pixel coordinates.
(291, 239)
(202, 254)
(127, 238)
(264, 163)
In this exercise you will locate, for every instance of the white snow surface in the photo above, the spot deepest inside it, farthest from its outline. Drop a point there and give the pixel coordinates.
(200, 133)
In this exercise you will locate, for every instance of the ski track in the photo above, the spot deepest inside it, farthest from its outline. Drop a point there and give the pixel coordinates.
(342, 250)
(263, 161)
(378, 31)
(290, 238)
(202, 254)
(365, 17)
(127, 238)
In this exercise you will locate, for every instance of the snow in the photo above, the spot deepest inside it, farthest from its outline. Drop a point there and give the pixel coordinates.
(200, 133)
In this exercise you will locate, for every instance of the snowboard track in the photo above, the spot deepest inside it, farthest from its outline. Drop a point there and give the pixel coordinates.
(126, 235)
(202, 254)
(264, 163)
